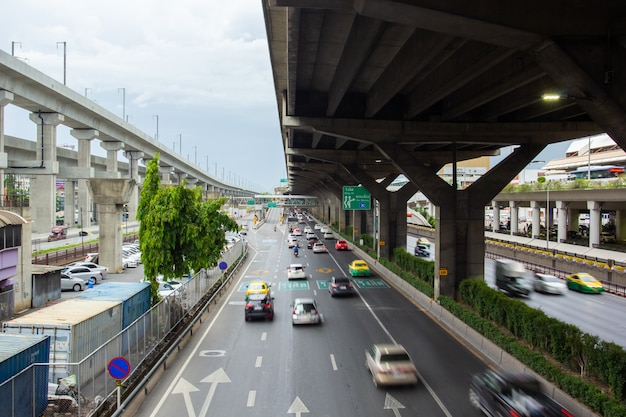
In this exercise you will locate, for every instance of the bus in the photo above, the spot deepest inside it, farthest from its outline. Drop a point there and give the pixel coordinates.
(595, 172)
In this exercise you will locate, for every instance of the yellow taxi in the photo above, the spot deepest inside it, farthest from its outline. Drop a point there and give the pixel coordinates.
(359, 268)
(258, 287)
(584, 282)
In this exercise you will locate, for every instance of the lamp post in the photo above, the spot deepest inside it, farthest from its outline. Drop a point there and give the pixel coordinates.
(548, 215)
(589, 157)
(156, 136)
(123, 90)
(64, 60)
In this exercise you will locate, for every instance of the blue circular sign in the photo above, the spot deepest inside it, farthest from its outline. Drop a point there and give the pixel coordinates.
(119, 368)
(223, 266)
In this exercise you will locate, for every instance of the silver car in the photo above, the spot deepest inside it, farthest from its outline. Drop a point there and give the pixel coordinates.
(304, 311)
(84, 273)
(69, 283)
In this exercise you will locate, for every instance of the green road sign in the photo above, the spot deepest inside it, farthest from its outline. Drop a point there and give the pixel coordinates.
(250, 202)
(356, 198)
(271, 204)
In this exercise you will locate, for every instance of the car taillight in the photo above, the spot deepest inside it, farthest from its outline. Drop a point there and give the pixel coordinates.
(248, 306)
(513, 413)
(333, 285)
(267, 305)
(566, 413)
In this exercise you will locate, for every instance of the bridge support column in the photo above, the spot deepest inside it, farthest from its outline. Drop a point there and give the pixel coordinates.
(44, 171)
(112, 148)
(595, 223)
(495, 223)
(620, 224)
(70, 203)
(110, 195)
(561, 207)
(133, 202)
(84, 172)
(6, 97)
(536, 225)
(514, 223)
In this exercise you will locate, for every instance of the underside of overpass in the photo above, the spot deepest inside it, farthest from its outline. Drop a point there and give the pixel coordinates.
(371, 89)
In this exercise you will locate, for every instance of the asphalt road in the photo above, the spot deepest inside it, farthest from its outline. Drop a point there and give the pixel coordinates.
(261, 368)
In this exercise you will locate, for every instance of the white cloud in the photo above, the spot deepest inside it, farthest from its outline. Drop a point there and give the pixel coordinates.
(202, 66)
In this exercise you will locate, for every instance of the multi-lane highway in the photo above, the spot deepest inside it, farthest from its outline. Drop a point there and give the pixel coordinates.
(273, 368)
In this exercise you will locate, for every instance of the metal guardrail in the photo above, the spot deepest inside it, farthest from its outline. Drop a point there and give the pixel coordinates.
(137, 343)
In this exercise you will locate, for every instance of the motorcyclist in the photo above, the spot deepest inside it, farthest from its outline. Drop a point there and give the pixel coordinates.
(274, 227)
(295, 251)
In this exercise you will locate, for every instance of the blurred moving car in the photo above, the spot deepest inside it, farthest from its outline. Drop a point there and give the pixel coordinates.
(258, 287)
(328, 235)
(422, 251)
(297, 231)
(550, 284)
(69, 283)
(84, 273)
(308, 229)
(390, 364)
(423, 241)
(509, 394)
(585, 283)
(259, 306)
(292, 241)
(312, 241)
(341, 244)
(359, 268)
(317, 226)
(340, 286)
(304, 311)
(296, 271)
(310, 235)
(319, 247)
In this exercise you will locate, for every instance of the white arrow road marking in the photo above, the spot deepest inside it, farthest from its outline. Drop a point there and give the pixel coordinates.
(297, 407)
(251, 398)
(392, 404)
(215, 378)
(184, 387)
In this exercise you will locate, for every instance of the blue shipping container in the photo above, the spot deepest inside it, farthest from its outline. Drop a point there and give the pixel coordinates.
(24, 391)
(135, 298)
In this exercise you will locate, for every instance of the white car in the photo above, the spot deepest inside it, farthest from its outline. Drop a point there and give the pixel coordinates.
(317, 226)
(304, 311)
(69, 283)
(307, 229)
(93, 266)
(390, 364)
(83, 272)
(296, 271)
(292, 241)
(549, 284)
(328, 235)
(133, 259)
(325, 230)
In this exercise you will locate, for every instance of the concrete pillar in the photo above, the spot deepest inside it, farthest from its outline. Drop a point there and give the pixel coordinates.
(561, 208)
(112, 148)
(23, 281)
(6, 97)
(495, 224)
(84, 136)
(595, 223)
(573, 219)
(191, 182)
(620, 224)
(110, 195)
(133, 163)
(514, 217)
(69, 203)
(43, 183)
(536, 224)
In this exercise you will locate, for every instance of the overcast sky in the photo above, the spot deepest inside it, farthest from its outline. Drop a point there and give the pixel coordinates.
(201, 66)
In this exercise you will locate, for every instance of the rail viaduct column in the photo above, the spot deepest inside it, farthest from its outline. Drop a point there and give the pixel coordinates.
(84, 172)
(69, 204)
(44, 171)
(6, 97)
(495, 223)
(110, 195)
(112, 148)
(514, 223)
(536, 225)
(561, 207)
(595, 223)
(133, 174)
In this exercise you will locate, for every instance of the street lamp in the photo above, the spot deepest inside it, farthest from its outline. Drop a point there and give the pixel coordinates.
(64, 60)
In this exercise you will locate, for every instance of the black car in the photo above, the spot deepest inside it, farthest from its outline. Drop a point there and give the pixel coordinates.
(340, 286)
(512, 394)
(259, 306)
(310, 242)
(422, 251)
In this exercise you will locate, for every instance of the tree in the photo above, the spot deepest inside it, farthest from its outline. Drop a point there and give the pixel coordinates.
(178, 232)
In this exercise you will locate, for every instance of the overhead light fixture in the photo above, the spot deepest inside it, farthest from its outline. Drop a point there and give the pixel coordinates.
(556, 97)
(551, 97)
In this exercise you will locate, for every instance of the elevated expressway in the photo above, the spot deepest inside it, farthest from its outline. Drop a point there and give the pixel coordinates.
(371, 89)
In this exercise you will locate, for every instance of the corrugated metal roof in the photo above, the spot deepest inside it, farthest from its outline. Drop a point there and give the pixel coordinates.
(67, 312)
(12, 344)
(8, 218)
(115, 291)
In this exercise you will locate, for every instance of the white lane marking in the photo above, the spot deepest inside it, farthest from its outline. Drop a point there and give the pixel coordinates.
(195, 349)
(332, 361)
(263, 336)
(251, 399)
(259, 362)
